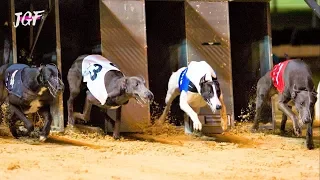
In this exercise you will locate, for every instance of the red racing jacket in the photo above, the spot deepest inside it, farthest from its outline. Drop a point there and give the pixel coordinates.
(277, 75)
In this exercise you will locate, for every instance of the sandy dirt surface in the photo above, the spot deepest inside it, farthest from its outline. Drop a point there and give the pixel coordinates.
(234, 155)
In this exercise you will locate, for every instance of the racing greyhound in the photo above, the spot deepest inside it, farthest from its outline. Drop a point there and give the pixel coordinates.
(107, 88)
(292, 80)
(30, 90)
(197, 86)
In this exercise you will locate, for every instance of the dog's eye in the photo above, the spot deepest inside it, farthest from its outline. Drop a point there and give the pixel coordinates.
(137, 84)
(301, 103)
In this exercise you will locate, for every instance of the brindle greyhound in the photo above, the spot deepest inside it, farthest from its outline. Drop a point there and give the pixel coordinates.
(119, 87)
(30, 90)
(292, 80)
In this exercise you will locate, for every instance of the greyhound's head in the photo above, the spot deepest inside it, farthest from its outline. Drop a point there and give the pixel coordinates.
(304, 101)
(50, 77)
(136, 87)
(210, 91)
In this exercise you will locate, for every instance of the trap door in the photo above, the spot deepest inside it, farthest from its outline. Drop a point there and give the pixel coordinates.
(123, 41)
(250, 52)
(208, 38)
(165, 22)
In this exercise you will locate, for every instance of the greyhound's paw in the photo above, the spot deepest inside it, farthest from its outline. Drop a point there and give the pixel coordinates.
(116, 136)
(225, 128)
(254, 129)
(297, 131)
(283, 132)
(42, 138)
(310, 145)
(197, 126)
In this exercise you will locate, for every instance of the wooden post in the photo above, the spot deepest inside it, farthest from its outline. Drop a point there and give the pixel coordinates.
(58, 119)
(268, 55)
(31, 29)
(317, 106)
(13, 32)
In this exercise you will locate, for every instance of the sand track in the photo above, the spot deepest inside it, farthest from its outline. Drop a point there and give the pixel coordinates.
(234, 155)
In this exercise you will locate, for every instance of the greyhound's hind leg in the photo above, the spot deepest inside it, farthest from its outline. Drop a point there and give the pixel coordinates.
(12, 126)
(74, 81)
(27, 123)
(172, 93)
(263, 96)
(85, 116)
(169, 98)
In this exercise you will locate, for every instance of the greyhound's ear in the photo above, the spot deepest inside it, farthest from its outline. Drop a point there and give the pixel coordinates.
(40, 67)
(315, 93)
(294, 92)
(124, 84)
(202, 80)
(142, 78)
(40, 77)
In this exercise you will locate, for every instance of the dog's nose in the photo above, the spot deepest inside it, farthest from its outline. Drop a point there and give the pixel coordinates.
(61, 87)
(150, 96)
(218, 107)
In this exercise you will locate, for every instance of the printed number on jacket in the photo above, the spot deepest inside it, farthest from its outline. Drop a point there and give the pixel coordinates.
(94, 70)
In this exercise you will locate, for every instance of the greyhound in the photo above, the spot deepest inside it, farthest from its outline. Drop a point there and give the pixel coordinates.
(292, 80)
(197, 86)
(108, 88)
(30, 90)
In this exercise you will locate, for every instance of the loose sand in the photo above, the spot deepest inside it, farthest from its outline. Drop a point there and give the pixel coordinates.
(234, 155)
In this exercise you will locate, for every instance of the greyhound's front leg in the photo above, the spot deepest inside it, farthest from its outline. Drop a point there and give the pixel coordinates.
(85, 116)
(189, 111)
(116, 130)
(27, 123)
(223, 114)
(309, 136)
(287, 111)
(45, 113)
(12, 125)
(115, 123)
(284, 121)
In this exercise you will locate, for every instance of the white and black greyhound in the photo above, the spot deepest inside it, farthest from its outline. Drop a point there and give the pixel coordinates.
(198, 87)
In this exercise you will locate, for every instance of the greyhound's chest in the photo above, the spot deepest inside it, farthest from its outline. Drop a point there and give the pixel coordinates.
(195, 100)
(34, 106)
(115, 103)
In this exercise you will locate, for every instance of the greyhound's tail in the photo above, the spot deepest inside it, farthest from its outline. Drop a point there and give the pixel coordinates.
(2, 70)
